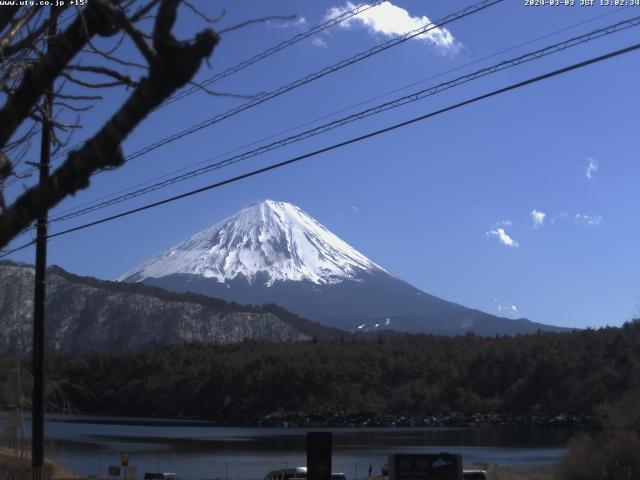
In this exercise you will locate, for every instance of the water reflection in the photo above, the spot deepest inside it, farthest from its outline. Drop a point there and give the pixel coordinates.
(199, 450)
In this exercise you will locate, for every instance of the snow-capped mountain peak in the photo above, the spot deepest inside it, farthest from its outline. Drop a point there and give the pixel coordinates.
(273, 240)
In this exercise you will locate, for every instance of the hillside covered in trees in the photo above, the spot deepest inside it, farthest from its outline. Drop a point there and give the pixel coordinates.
(86, 315)
(539, 374)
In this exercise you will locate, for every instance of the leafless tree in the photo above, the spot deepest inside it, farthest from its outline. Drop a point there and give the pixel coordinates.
(83, 59)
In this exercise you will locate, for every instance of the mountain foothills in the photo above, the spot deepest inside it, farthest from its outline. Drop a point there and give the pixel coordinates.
(273, 252)
(85, 314)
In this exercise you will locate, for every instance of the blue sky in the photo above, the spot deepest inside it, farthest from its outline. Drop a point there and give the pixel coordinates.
(521, 205)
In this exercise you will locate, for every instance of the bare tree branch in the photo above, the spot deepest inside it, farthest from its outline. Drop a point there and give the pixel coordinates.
(6, 15)
(65, 96)
(98, 21)
(105, 71)
(8, 37)
(214, 93)
(143, 11)
(173, 66)
(107, 56)
(5, 166)
(74, 108)
(7, 50)
(202, 15)
(87, 84)
(139, 39)
(28, 40)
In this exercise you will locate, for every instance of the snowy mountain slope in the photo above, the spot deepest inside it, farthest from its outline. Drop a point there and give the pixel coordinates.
(273, 252)
(273, 240)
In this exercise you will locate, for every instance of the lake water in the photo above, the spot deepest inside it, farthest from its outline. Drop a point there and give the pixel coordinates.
(197, 450)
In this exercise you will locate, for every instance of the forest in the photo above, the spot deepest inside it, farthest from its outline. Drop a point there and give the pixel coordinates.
(537, 374)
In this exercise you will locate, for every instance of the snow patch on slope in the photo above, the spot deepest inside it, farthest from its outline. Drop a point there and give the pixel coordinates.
(273, 238)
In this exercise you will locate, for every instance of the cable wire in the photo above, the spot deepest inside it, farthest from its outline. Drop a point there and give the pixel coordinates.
(413, 97)
(353, 140)
(275, 49)
(256, 58)
(342, 110)
(310, 78)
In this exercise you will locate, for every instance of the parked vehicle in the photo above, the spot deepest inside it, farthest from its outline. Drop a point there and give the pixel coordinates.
(287, 473)
(160, 476)
(474, 475)
(295, 473)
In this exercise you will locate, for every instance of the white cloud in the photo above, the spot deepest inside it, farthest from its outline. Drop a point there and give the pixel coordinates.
(538, 218)
(504, 223)
(318, 42)
(590, 220)
(355, 209)
(503, 237)
(592, 168)
(390, 20)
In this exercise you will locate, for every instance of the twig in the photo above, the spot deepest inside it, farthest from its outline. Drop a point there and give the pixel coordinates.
(104, 71)
(213, 93)
(84, 83)
(143, 11)
(201, 14)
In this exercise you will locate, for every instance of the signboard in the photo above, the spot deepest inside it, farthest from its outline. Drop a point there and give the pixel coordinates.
(124, 459)
(425, 466)
(319, 456)
(114, 471)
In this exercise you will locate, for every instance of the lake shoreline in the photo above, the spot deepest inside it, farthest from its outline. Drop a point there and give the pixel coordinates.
(196, 449)
(301, 419)
(451, 420)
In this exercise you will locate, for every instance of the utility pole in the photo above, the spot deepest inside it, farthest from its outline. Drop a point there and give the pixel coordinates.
(37, 416)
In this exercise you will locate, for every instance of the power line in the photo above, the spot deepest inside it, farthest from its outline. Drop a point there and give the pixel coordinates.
(342, 110)
(270, 51)
(353, 140)
(310, 78)
(257, 57)
(361, 56)
(413, 97)
(302, 81)
(314, 76)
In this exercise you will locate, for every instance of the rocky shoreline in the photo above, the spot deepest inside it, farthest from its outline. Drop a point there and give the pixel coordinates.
(364, 420)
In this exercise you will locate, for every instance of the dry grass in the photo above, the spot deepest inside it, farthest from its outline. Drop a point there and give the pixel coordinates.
(13, 467)
(529, 472)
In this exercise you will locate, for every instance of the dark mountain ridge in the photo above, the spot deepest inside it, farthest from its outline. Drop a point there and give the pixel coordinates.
(86, 314)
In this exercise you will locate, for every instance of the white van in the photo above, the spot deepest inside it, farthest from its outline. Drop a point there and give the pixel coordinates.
(287, 473)
(296, 473)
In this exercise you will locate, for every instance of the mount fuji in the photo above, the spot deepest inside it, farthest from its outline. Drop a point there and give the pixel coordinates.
(273, 252)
